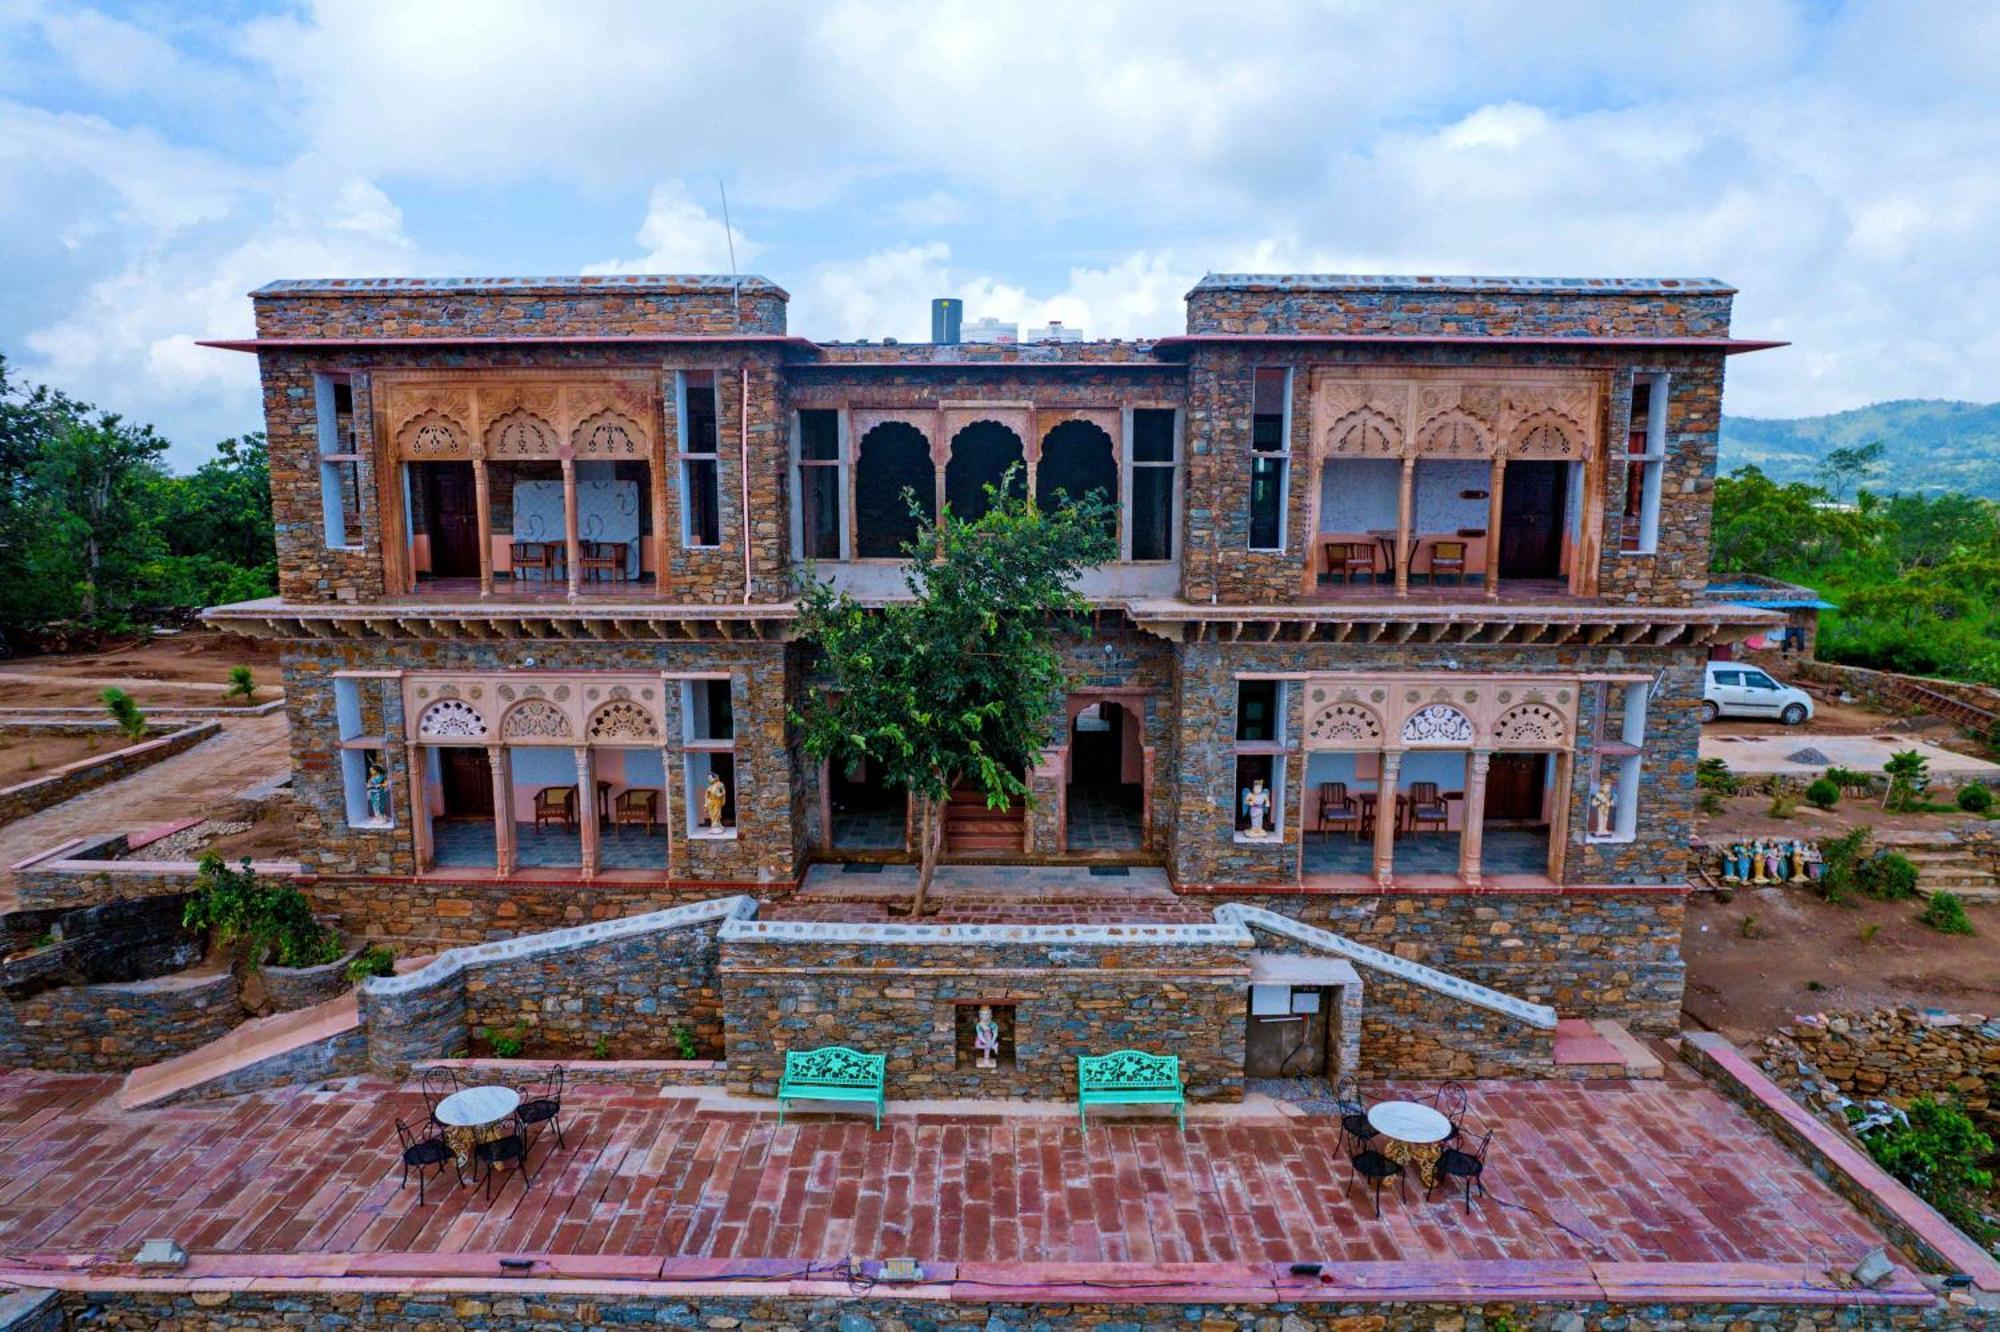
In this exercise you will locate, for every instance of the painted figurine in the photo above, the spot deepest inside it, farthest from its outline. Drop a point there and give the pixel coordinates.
(1774, 860)
(1603, 801)
(1815, 862)
(713, 797)
(1798, 859)
(377, 792)
(1732, 863)
(1257, 806)
(986, 1038)
(1757, 857)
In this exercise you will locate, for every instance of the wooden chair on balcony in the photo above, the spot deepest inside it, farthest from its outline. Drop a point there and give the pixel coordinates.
(1448, 557)
(1350, 558)
(555, 804)
(636, 807)
(602, 560)
(1336, 809)
(546, 558)
(1425, 805)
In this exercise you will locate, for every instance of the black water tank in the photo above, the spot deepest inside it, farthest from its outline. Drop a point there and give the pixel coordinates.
(947, 312)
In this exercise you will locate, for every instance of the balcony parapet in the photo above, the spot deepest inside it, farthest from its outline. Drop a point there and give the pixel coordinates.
(1472, 623)
(406, 621)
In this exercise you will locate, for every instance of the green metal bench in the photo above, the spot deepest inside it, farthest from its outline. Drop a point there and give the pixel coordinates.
(832, 1073)
(1129, 1077)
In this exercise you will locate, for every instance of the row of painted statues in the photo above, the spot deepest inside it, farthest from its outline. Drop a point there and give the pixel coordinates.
(1772, 860)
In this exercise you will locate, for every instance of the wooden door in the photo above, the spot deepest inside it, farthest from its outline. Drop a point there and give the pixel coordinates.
(1514, 786)
(467, 777)
(1531, 519)
(452, 501)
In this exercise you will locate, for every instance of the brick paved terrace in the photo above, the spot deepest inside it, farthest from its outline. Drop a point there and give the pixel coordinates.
(1661, 1172)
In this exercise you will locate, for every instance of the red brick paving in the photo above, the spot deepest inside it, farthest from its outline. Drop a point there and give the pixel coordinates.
(1643, 1172)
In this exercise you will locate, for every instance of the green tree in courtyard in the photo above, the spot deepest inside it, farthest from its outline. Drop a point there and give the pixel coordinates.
(959, 683)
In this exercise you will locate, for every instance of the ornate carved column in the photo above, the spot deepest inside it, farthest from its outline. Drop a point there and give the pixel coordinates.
(420, 816)
(1385, 816)
(586, 810)
(572, 540)
(482, 499)
(502, 769)
(1560, 799)
(1473, 833)
(1406, 503)
(1494, 489)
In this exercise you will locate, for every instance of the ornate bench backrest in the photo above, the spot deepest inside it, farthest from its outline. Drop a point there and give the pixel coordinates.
(835, 1066)
(1128, 1070)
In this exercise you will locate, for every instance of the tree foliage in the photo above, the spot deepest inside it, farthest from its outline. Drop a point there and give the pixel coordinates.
(961, 682)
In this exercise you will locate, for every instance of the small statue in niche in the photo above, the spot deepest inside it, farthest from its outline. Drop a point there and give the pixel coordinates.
(713, 797)
(377, 787)
(986, 1038)
(1257, 807)
(1603, 804)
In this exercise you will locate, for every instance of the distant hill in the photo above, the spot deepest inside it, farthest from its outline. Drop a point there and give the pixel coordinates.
(1933, 445)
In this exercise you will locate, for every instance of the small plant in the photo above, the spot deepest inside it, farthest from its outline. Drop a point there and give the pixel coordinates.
(1909, 777)
(1748, 929)
(1849, 781)
(1784, 799)
(45, 939)
(374, 960)
(506, 1045)
(1709, 802)
(241, 684)
(1841, 859)
(1946, 914)
(1713, 774)
(1936, 1150)
(1888, 876)
(601, 1049)
(1869, 931)
(1823, 793)
(274, 920)
(125, 712)
(1815, 986)
(1975, 799)
(684, 1042)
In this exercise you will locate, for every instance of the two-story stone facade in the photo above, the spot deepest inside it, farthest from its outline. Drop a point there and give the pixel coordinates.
(1404, 638)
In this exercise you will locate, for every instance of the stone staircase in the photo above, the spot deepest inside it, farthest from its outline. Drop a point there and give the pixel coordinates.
(1588, 1049)
(973, 830)
(1946, 863)
(323, 1041)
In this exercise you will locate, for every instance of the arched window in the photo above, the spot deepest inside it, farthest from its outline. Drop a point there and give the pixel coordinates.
(980, 456)
(895, 457)
(1077, 460)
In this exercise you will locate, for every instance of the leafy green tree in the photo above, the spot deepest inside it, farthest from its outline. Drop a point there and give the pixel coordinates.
(1938, 1154)
(1844, 469)
(958, 683)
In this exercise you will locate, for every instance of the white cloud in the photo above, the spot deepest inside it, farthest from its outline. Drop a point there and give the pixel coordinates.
(681, 236)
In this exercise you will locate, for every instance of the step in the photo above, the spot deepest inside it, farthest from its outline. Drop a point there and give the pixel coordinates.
(306, 1040)
(1601, 1048)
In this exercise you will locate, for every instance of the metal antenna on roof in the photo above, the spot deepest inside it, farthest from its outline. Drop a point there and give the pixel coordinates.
(729, 235)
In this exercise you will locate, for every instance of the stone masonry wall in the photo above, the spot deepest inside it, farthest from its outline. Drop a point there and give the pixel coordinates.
(87, 774)
(489, 307)
(1901, 1053)
(1456, 307)
(903, 1000)
(1408, 1031)
(111, 1028)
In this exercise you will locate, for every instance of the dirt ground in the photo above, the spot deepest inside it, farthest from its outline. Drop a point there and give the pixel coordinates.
(272, 836)
(189, 669)
(25, 757)
(1748, 987)
(1749, 816)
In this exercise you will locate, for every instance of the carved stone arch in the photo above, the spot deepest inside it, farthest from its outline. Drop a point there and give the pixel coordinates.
(1365, 433)
(535, 719)
(622, 719)
(1531, 725)
(451, 719)
(1546, 434)
(1344, 725)
(608, 434)
(431, 434)
(1437, 724)
(520, 433)
(1455, 433)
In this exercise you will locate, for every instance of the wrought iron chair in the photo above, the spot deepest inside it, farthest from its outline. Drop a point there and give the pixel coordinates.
(1426, 805)
(423, 1152)
(1350, 558)
(1467, 1162)
(437, 1083)
(545, 1107)
(1451, 1102)
(1354, 1123)
(511, 1149)
(555, 804)
(1378, 1170)
(1336, 809)
(1448, 557)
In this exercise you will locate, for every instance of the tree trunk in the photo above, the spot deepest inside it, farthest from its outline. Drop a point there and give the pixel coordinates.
(931, 831)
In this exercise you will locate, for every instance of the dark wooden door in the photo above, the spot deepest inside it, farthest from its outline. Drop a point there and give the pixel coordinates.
(452, 502)
(467, 776)
(1514, 784)
(1531, 519)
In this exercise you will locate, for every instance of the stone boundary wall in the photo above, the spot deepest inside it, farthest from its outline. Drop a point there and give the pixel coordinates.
(117, 1027)
(631, 981)
(514, 307)
(288, 989)
(73, 779)
(404, 911)
(342, 1055)
(1252, 303)
(85, 872)
(647, 1075)
(1908, 1221)
(1900, 1053)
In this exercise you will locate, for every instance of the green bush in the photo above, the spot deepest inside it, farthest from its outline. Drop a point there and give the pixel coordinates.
(506, 1045)
(125, 712)
(1909, 777)
(1946, 914)
(241, 684)
(1822, 793)
(684, 1043)
(1849, 781)
(1713, 774)
(1841, 857)
(1937, 1153)
(1784, 799)
(1975, 799)
(274, 920)
(374, 960)
(1888, 876)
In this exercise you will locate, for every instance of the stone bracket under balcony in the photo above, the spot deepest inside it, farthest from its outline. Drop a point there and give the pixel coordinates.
(647, 623)
(1472, 624)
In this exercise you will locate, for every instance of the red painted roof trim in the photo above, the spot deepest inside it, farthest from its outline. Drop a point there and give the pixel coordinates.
(461, 340)
(1727, 346)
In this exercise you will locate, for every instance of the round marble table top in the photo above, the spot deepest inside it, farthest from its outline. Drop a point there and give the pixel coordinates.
(478, 1106)
(1407, 1121)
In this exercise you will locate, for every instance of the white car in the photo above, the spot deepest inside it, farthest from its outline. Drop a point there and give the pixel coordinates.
(1731, 688)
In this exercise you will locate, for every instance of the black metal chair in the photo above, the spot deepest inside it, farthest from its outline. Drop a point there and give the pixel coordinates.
(1451, 1102)
(1378, 1170)
(1467, 1162)
(437, 1084)
(545, 1108)
(1353, 1115)
(496, 1152)
(423, 1153)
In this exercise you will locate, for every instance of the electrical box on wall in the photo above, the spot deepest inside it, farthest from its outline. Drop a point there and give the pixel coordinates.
(1270, 1000)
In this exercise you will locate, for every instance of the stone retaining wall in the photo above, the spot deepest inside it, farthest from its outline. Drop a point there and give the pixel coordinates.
(287, 989)
(113, 1028)
(1899, 1054)
(87, 872)
(1408, 1031)
(458, 913)
(87, 774)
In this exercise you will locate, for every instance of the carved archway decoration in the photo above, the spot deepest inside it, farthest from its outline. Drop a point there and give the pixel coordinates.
(1531, 725)
(432, 435)
(1546, 435)
(1344, 726)
(609, 434)
(451, 719)
(535, 719)
(1455, 434)
(1365, 433)
(622, 719)
(1437, 724)
(520, 433)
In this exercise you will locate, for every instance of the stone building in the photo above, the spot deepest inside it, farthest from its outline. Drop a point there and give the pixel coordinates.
(1404, 640)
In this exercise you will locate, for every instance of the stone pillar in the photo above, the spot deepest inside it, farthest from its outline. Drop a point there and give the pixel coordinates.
(1560, 799)
(1494, 490)
(572, 541)
(503, 808)
(482, 500)
(667, 823)
(586, 809)
(420, 817)
(1471, 835)
(1385, 816)
(1406, 503)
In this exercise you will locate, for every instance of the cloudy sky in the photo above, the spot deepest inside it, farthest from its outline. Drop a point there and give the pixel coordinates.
(1838, 162)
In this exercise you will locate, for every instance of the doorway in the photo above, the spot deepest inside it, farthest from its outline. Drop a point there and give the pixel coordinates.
(1287, 1033)
(1105, 807)
(1532, 507)
(465, 777)
(867, 813)
(451, 512)
(1514, 837)
(459, 807)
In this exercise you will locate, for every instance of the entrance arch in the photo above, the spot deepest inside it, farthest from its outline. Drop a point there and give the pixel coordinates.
(894, 457)
(980, 456)
(1104, 798)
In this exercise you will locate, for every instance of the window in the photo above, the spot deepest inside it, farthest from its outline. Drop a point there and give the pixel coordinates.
(701, 481)
(1270, 447)
(1612, 804)
(364, 772)
(1257, 795)
(819, 473)
(1729, 677)
(339, 461)
(708, 739)
(1155, 455)
(1645, 463)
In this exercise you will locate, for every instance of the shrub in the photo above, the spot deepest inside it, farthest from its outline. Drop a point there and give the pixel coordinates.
(1713, 774)
(684, 1042)
(1909, 777)
(1946, 914)
(1870, 930)
(125, 712)
(1748, 929)
(1888, 876)
(1784, 799)
(241, 684)
(274, 920)
(1937, 1152)
(1849, 781)
(1822, 793)
(1975, 799)
(1841, 859)
(374, 960)
(506, 1045)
